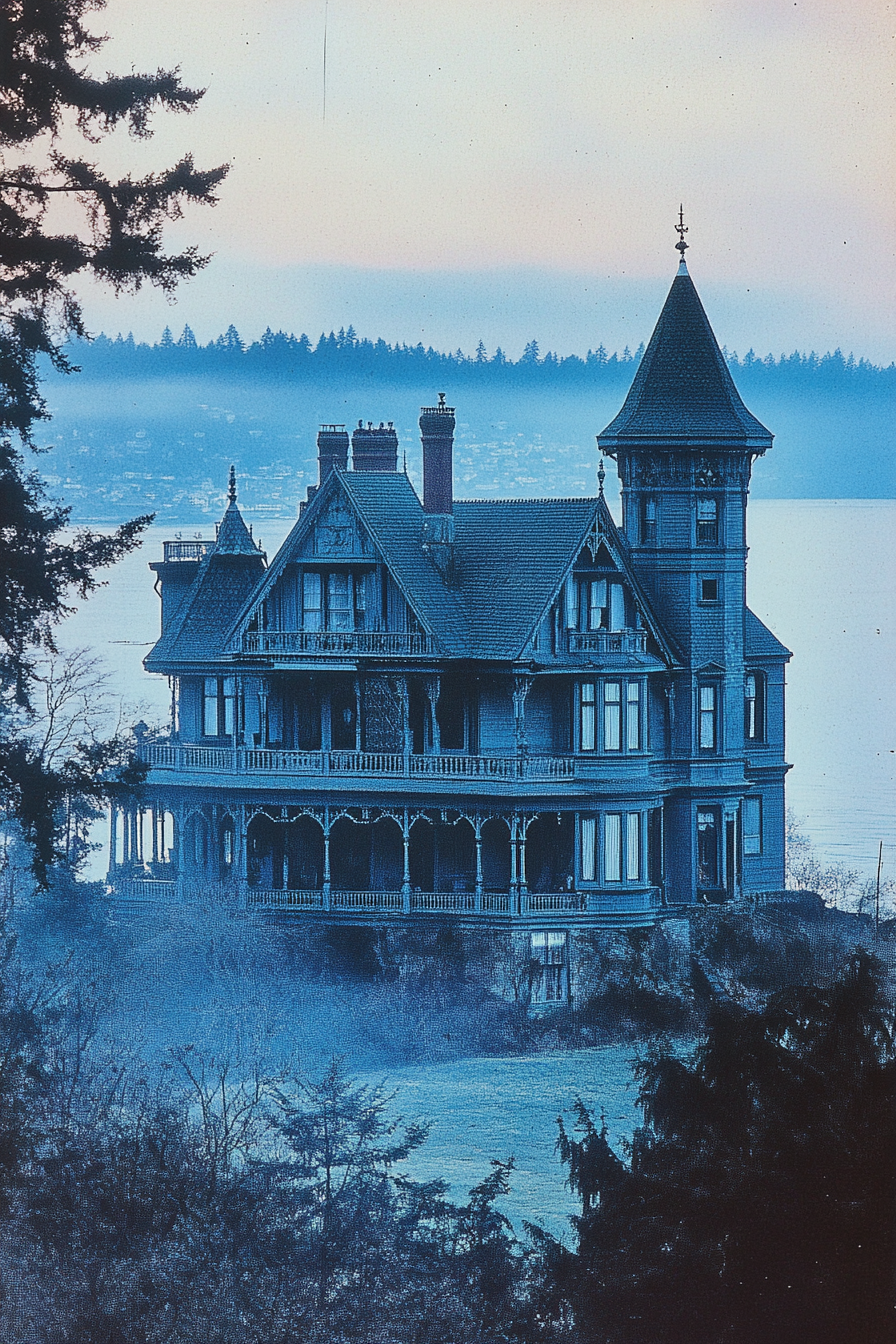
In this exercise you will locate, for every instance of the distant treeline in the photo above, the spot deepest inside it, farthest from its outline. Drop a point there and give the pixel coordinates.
(279, 355)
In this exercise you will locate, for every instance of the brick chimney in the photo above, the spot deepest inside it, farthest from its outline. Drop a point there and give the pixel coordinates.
(332, 450)
(437, 435)
(374, 449)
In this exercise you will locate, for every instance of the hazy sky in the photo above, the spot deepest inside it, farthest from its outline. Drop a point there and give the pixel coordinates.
(506, 169)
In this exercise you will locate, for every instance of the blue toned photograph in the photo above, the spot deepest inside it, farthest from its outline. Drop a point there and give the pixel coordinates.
(447, 747)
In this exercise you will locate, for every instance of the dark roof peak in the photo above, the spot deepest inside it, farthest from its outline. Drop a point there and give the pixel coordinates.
(683, 393)
(234, 538)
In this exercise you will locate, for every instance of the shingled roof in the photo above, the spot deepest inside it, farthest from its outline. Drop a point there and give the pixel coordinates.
(227, 577)
(759, 642)
(683, 394)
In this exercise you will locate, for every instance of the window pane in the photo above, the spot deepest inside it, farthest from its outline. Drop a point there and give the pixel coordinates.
(617, 606)
(586, 717)
(597, 602)
(752, 823)
(339, 601)
(570, 603)
(210, 707)
(633, 717)
(707, 520)
(613, 847)
(311, 601)
(633, 846)
(707, 718)
(589, 848)
(612, 716)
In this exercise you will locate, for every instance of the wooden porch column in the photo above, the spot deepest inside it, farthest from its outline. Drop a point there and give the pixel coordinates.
(326, 890)
(514, 855)
(113, 839)
(406, 875)
(522, 685)
(433, 691)
(524, 890)
(477, 831)
(155, 835)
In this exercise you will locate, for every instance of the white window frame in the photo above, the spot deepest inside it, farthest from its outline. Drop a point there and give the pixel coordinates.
(612, 716)
(587, 715)
(612, 847)
(588, 848)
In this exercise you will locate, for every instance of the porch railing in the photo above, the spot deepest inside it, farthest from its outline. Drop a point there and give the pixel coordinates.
(279, 761)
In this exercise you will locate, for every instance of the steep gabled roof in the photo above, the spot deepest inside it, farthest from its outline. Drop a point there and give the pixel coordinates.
(759, 642)
(234, 538)
(683, 393)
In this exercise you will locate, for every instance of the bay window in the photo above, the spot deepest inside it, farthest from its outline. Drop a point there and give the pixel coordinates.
(610, 716)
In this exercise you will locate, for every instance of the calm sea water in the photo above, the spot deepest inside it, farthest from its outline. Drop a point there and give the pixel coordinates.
(822, 574)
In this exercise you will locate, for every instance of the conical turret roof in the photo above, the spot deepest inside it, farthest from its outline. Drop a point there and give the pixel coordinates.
(234, 538)
(683, 394)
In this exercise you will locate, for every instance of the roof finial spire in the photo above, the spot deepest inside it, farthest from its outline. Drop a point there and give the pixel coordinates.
(601, 477)
(231, 489)
(681, 230)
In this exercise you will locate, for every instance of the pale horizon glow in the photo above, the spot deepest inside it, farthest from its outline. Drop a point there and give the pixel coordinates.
(514, 170)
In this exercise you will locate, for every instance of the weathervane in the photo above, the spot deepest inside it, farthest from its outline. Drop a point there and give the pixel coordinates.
(681, 230)
(231, 489)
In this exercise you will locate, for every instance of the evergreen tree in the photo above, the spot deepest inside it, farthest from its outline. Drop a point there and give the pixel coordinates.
(45, 87)
(759, 1201)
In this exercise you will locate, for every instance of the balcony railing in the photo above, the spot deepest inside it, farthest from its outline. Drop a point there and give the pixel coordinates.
(338, 643)
(608, 641)
(393, 764)
(186, 550)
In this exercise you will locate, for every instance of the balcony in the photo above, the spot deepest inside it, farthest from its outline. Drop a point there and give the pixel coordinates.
(258, 761)
(608, 641)
(337, 643)
(186, 550)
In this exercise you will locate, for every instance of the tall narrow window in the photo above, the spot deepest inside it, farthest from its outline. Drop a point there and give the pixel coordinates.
(229, 686)
(707, 522)
(570, 603)
(617, 606)
(754, 707)
(587, 726)
(648, 519)
(708, 732)
(549, 955)
(588, 826)
(612, 847)
(210, 707)
(633, 846)
(597, 603)
(612, 716)
(312, 601)
(751, 819)
(633, 716)
(339, 600)
(707, 849)
(360, 586)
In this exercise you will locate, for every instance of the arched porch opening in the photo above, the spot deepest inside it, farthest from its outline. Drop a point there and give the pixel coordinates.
(421, 855)
(350, 855)
(304, 854)
(226, 847)
(550, 852)
(495, 854)
(386, 855)
(455, 856)
(196, 844)
(265, 842)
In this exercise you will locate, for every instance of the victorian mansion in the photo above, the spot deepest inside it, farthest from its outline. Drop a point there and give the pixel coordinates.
(518, 713)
